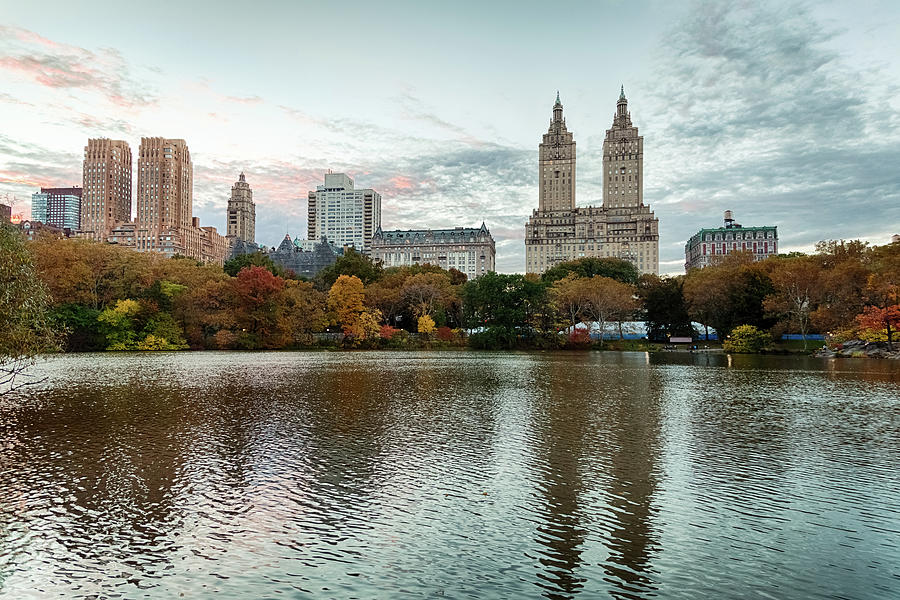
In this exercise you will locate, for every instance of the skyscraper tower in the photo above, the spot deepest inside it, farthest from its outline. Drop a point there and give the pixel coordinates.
(106, 187)
(622, 226)
(623, 160)
(165, 193)
(556, 160)
(242, 212)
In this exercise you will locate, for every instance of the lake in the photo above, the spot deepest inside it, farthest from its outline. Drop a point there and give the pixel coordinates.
(451, 474)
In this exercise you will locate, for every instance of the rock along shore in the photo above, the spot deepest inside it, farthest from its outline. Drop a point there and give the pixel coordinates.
(859, 349)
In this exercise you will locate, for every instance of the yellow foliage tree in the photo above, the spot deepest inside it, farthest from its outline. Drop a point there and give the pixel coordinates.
(345, 299)
(426, 325)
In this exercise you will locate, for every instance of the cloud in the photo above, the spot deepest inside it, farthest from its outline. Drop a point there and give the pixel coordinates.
(61, 66)
(753, 109)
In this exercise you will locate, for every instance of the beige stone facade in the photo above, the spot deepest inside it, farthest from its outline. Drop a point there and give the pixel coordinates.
(469, 250)
(242, 212)
(622, 227)
(164, 222)
(106, 187)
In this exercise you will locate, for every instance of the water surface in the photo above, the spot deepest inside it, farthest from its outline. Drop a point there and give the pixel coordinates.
(454, 474)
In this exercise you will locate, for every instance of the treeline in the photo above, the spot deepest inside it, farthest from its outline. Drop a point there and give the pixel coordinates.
(105, 297)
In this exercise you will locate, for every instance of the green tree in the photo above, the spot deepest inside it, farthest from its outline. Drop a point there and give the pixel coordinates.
(614, 268)
(664, 309)
(256, 259)
(26, 328)
(352, 263)
(510, 307)
(746, 339)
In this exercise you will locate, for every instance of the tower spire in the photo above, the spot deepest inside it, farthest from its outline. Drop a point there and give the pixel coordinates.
(557, 97)
(622, 93)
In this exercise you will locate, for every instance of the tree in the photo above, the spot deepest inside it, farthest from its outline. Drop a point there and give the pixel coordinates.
(346, 304)
(729, 294)
(883, 297)
(119, 325)
(614, 268)
(797, 286)
(424, 292)
(256, 259)
(426, 325)
(254, 296)
(302, 312)
(664, 308)
(746, 339)
(507, 305)
(569, 297)
(352, 263)
(606, 300)
(26, 329)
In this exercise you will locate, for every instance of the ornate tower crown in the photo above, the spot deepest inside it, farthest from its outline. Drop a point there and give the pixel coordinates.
(622, 117)
(557, 109)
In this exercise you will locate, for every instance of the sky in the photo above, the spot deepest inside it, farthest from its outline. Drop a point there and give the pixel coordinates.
(787, 113)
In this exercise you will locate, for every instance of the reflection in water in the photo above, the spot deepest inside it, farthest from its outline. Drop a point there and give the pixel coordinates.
(469, 475)
(604, 428)
(561, 429)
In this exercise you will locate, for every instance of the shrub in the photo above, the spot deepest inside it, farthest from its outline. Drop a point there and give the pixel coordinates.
(746, 339)
(445, 334)
(387, 332)
(579, 339)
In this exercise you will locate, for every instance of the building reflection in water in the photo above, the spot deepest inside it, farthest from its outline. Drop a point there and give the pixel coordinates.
(596, 447)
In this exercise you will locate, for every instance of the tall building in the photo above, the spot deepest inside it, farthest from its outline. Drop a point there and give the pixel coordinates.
(164, 197)
(709, 245)
(60, 207)
(5, 213)
(242, 212)
(343, 214)
(106, 187)
(621, 227)
(467, 249)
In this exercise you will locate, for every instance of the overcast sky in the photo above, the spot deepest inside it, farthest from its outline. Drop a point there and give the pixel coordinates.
(786, 113)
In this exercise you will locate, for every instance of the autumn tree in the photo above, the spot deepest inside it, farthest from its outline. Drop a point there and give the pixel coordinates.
(606, 300)
(346, 304)
(301, 313)
(425, 292)
(797, 284)
(569, 296)
(729, 294)
(25, 326)
(254, 295)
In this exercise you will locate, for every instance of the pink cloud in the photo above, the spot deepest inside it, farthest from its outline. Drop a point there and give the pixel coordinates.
(60, 66)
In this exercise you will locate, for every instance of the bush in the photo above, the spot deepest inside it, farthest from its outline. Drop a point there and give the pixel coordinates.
(746, 339)
(579, 339)
(494, 338)
(387, 332)
(445, 334)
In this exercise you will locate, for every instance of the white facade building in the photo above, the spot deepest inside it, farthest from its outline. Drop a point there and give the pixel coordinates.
(469, 250)
(345, 215)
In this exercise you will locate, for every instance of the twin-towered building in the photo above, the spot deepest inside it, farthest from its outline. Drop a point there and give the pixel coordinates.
(621, 227)
(163, 219)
